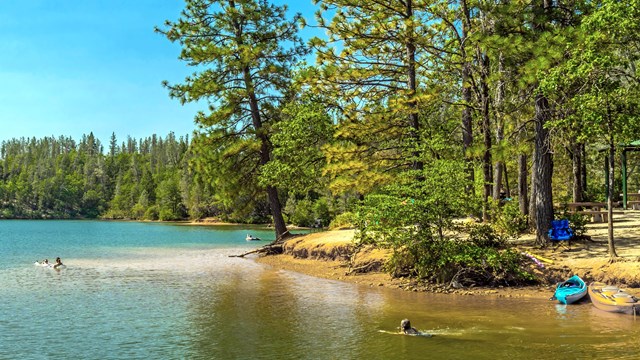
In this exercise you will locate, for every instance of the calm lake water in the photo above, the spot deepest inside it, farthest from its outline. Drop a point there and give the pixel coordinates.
(141, 291)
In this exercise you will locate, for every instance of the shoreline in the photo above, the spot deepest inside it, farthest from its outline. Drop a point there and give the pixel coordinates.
(335, 270)
(323, 255)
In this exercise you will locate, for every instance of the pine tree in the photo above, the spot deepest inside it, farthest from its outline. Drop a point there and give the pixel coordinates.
(243, 51)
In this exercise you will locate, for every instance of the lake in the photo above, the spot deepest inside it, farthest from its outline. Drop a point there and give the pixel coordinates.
(149, 290)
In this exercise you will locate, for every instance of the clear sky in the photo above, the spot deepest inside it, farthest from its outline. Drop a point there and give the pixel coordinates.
(70, 67)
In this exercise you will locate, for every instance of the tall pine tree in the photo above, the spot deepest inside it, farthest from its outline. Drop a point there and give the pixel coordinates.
(243, 52)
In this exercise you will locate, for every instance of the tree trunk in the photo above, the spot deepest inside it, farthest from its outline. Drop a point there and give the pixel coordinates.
(265, 145)
(543, 172)
(412, 85)
(583, 177)
(612, 153)
(523, 198)
(532, 192)
(486, 131)
(577, 173)
(542, 162)
(507, 187)
(265, 156)
(467, 121)
(499, 165)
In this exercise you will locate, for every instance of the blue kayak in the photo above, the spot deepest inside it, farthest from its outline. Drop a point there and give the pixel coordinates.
(570, 291)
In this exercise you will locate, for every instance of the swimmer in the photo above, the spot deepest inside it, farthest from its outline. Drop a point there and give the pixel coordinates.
(58, 263)
(407, 329)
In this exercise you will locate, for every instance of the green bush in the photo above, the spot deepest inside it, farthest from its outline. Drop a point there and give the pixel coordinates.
(321, 211)
(168, 215)
(415, 218)
(345, 220)
(152, 213)
(138, 211)
(484, 235)
(303, 214)
(508, 220)
(465, 262)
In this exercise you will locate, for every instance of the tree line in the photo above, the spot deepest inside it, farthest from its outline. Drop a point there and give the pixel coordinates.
(62, 178)
(146, 179)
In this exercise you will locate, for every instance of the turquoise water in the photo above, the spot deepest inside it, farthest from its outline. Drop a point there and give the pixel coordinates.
(140, 291)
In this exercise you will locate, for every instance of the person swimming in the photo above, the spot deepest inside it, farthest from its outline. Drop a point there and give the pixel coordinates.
(407, 329)
(58, 263)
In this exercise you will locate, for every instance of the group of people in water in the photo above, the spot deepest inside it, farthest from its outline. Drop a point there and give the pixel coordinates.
(57, 264)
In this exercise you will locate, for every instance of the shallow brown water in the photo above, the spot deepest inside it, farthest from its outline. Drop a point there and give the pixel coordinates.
(296, 316)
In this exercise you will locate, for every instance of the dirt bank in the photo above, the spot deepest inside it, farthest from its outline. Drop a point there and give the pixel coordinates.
(325, 255)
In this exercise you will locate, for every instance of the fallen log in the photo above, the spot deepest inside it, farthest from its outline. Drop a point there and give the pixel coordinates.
(274, 248)
(270, 249)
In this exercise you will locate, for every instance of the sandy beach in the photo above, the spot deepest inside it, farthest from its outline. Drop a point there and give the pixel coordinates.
(325, 255)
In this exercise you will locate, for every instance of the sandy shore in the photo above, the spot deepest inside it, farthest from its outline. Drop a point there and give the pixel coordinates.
(324, 255)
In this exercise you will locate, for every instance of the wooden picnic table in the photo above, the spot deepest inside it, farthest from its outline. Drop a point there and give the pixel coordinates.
(586, 205)
(633, 199)
(597, 210)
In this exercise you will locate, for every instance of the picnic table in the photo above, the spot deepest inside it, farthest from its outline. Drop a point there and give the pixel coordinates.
(597, 210)
(633, 199)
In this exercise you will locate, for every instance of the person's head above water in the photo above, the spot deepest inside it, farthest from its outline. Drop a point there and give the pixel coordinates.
(407, 329)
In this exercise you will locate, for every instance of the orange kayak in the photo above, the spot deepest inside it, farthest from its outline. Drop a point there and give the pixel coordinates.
(612, 299)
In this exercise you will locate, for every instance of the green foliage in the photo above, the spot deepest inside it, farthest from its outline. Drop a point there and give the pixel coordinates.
(415, 219)
(430, 199)
(152, 213)
(297, 159)
(321, 212)
(345, 220)
(507, 219)
(59, 178)
(242, 53)
(478, 261)
(484, 235)
(307, 213)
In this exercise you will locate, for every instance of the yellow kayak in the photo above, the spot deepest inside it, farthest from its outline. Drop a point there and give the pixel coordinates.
(612, 299)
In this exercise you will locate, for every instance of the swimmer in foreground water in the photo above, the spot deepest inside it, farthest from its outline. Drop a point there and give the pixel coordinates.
(407, 329)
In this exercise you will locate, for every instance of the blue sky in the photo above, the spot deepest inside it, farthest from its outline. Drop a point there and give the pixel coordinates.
(70, 67)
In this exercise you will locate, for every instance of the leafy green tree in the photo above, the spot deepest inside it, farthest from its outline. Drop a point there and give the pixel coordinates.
(298, 160)
(369, 66)
(243, 51)
(170, 199)
(600, 83)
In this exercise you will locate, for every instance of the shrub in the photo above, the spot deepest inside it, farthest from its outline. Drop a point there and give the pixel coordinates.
(152, 213)
(345, 220)
(168, 215)
(303, 214)
(508, 220)
(138, 211)
(484, 235)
